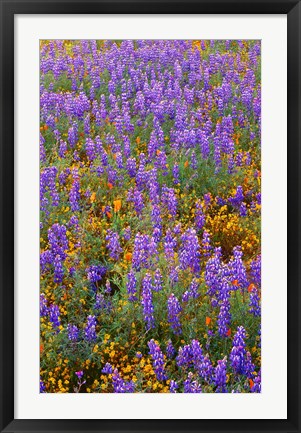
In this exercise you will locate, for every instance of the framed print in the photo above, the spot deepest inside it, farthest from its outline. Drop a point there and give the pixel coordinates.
(150, 216)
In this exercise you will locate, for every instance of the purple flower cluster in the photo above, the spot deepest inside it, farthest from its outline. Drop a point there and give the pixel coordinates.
(113, 244)
(189, 256)
(157, 360)
(73, 332)
(173, 314)
(90, 329)
(192, 386)
(254, 302)
(192, 292)
(240, 359)
(220, 376)
(120, 385)
(95, 273)
(147, 302)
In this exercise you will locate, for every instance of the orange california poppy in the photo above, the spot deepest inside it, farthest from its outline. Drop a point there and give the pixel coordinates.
(117, 205)
(251, 287)
(128, 257)
(208, 320)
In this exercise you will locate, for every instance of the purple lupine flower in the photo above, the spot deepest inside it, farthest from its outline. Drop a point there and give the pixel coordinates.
(177, 229)
(95, 273)
(48, 182)
(73, 332)
(100, 302)
(169, 243)
(131, 167)
(54, 316)
(58, 241)
(136, 197)
(74, 196)
(184, 357)
(90, 328)
(127, 233)
(131, 286)
(192, 386)
(158, 281)
(224, 318)
(173, 386)
(42, 387)
(238, 198)
(121, 386)
(238, 268)
(257, 383)
(220, 375)
(157, 360)
(196, 353)
(243, 210)
(42, 149)
(174, 309)
(169, 200)
(62, 149)
(214, 273)
(199, 216)
(141, 175)
(156, 219)
(205, 368)
(207, 199)
(107, 369)
(46, 258)
(256, 270)
(170, 350)
(90, 149)
(254, 303)
(249, 366)
(72, 136)
(238, 352)
(113, 244)
(192, 292)
(87, 125)
(58, 269)
(161, 162)
(189, 256)
(238, 162)
(176, 174)
(153, 186)
(44, 310)
(147, 302)
(174, 275)
(141, 251)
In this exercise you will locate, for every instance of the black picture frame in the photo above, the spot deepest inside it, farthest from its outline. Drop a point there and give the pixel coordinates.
(8, 9)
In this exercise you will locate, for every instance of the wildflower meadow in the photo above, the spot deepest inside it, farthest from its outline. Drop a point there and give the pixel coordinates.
(150, 216)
